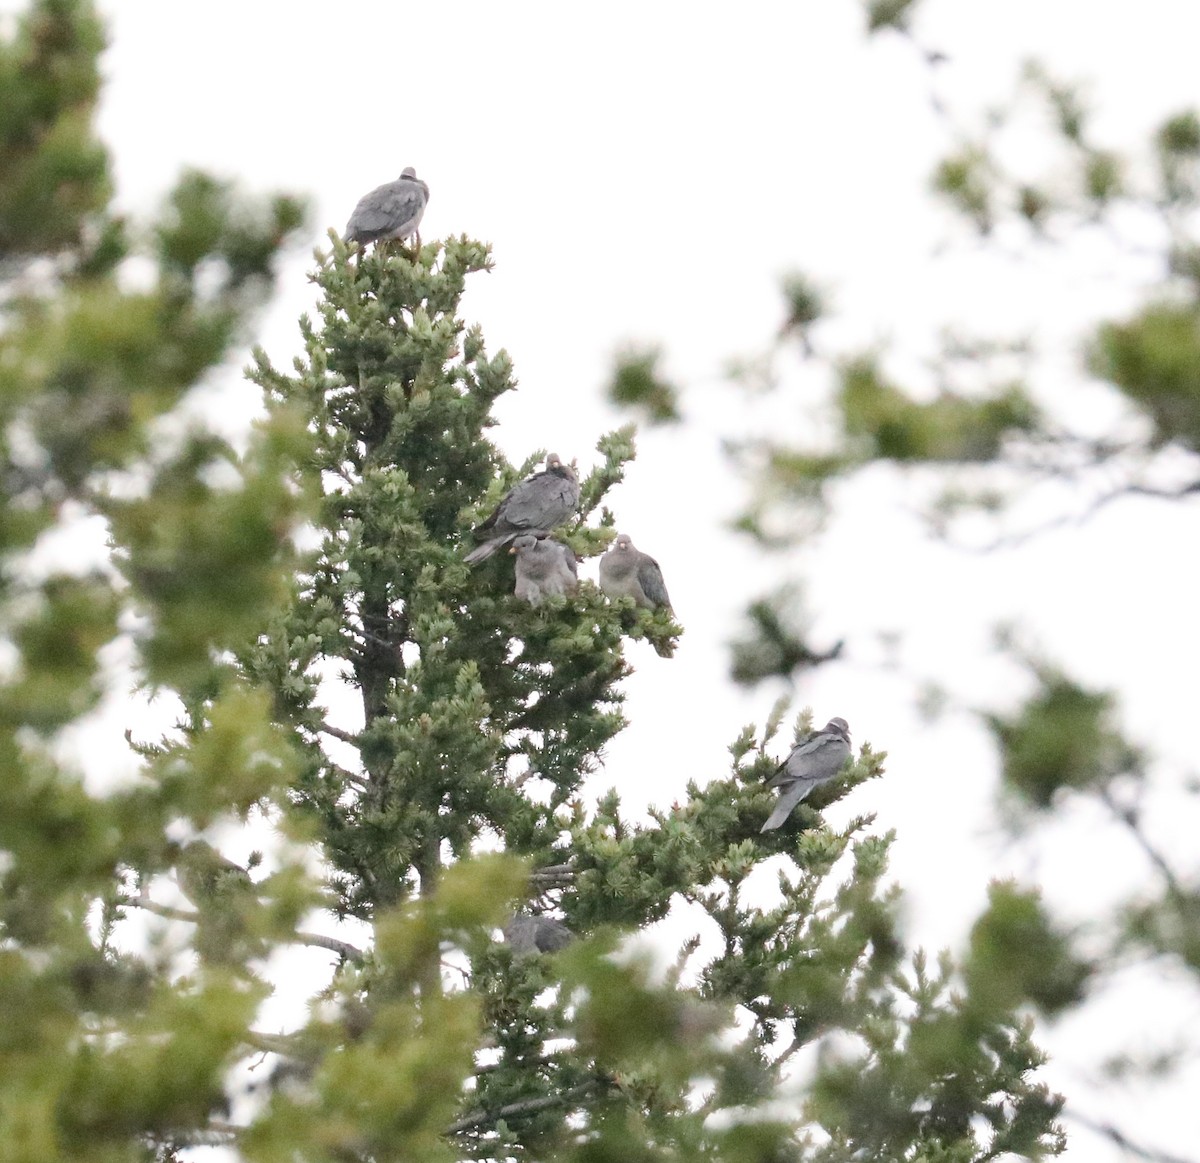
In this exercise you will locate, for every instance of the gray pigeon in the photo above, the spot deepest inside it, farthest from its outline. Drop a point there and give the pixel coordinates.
(535, 506)
(391, 211)
(544, 568)
(627, 572)
(526, 935)
(817, 759)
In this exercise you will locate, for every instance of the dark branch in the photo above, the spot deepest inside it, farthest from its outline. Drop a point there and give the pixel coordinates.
(338, 733)
(528, 1106)
(1152, 854)
(1014, 540)
(343, 948)
(1115, 1136)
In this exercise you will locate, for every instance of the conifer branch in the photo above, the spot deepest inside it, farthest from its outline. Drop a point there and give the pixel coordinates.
(338, 733)
(143, 901)
(318, 940)
(272, 1043)
(218, 1133)
(342, 948)
(526, 1107)
(553, 874)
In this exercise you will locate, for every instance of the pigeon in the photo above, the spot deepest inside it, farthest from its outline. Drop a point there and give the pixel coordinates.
(526, 934)
(627, 572)
(544, 568)
(817, 759)
(535, 506)
(205, 875)
(390, 211)
(225, 900)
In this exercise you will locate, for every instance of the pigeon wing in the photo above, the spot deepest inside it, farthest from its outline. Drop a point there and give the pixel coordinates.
(650, 578)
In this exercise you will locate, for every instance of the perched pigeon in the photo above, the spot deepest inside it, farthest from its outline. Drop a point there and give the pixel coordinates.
(526, 934)
(812, 762)
(535, 506)
(627, 572)
(544, 568)
(204, 874)
(390, 211)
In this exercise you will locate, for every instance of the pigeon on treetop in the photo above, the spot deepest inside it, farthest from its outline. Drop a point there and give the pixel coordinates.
(534, 506)
(627, 572)
(544, 568)
(390, 211)
(817, 759)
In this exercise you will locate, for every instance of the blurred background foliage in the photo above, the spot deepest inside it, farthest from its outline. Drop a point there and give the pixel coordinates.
(988, 444)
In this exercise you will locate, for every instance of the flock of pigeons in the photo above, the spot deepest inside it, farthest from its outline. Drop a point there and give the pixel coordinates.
(531, 510)
(545, 568)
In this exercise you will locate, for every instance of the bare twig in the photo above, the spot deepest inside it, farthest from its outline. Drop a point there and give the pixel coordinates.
(1015, 540)
(797, 1043)
(143, 901)
(343, 948)
(272, 1043)
(338, 733)
(1114, 1135)
(1152, 854)
(216, 1134)
(319, 940)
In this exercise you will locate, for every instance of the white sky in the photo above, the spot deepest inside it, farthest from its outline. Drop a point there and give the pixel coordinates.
(649, 172)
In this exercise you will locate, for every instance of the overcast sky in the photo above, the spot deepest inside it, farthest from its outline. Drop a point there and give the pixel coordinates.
(649, 172)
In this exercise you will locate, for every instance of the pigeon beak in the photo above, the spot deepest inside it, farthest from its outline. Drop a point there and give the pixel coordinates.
(512, 551)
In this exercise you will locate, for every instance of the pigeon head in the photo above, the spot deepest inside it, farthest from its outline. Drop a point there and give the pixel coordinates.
(408, 172)
(623, 542)
(555, 465)
(524, 544)
(838, 727)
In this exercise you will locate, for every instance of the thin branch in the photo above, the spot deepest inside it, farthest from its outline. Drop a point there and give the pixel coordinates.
(216, 1134)
(284, 1044)
(797, 1043)
(342, 948)
(1015, 540)
(338, 733)
(533, 1060)
(1152, 854)
(1114, 1135)
(526, 1107)
(143, 901)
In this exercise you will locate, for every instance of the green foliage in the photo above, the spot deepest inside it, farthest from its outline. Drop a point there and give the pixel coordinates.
(107, 1049)
(967, 180)
(888, 14)
(883, 423)
(637, 384)
(1064, 736)
(53, 172)
(1018, 955)
(1154, 360)
(775, 644)
(805, 304)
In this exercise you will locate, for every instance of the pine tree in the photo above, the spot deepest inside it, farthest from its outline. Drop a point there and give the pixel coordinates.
(477, 718)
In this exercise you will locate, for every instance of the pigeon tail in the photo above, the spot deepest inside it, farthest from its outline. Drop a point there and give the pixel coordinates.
(788, 799)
